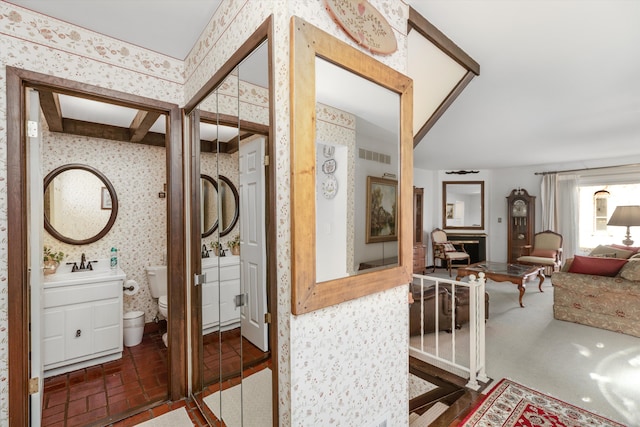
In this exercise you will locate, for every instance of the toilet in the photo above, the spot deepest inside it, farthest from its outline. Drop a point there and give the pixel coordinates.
(157, 275)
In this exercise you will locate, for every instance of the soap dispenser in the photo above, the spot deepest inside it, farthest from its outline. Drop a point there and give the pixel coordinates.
(113, 258)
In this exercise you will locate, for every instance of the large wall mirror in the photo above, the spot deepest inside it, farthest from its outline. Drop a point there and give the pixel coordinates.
(80, 204)
(463, 205)
(352, 157)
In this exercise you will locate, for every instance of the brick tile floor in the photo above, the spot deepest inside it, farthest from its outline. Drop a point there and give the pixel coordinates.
(87, 396)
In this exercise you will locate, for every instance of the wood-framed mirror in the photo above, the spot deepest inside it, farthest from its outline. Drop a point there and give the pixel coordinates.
(80, 204)
(463, 205)
(314, 53)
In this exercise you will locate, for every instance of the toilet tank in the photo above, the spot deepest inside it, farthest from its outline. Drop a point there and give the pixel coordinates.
(157, 275)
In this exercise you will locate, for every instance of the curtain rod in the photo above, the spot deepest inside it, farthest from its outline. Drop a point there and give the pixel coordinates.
(588, 169)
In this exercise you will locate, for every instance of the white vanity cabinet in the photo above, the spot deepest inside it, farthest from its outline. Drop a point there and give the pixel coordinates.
(219, 292)
(82, 320)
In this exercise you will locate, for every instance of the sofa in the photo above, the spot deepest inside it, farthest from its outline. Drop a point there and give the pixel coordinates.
(445, 307)
(600, 290)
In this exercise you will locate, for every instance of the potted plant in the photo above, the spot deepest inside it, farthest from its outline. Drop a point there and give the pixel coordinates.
(234, 245)
(217, 247)
(51, 260)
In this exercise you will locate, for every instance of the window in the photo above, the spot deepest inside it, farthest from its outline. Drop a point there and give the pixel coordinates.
(597, 203)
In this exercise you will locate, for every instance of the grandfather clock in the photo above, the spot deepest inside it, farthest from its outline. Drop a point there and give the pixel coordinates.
(521, 222)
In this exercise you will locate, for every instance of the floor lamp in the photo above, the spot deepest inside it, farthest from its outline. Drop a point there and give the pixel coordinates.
(626, 216)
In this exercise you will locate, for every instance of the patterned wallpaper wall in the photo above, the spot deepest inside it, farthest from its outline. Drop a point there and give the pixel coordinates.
(349, 361)
(137, 173)
(46, 45)
(339, 365)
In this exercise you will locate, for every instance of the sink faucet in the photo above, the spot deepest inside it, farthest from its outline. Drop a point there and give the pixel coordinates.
(83, 266)
(205, 251)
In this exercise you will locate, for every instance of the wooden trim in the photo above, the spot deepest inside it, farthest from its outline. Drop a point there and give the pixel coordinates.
(176, 261)
(272, 233)
(439, 39)
(307, 42)
(259, 35)
(18, 310)
(18, 285)
(197, 351)
(453, 95)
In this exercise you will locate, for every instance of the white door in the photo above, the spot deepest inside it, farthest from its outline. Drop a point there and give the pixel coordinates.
(252, 242)
(35, 230)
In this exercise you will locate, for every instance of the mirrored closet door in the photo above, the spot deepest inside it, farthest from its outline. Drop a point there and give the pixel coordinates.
(229, 128)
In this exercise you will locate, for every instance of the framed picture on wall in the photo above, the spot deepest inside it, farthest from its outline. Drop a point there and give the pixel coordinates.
(450, 210)
(105, 198)
(382, 212)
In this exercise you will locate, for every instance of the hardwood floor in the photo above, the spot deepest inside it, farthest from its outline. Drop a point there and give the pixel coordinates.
(451, 391)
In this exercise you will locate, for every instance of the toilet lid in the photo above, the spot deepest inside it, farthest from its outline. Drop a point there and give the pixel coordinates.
(162, 301)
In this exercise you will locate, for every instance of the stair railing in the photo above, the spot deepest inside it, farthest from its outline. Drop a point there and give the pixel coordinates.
(456, 348)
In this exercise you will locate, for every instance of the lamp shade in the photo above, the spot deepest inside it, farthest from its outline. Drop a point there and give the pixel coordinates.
(625, 216)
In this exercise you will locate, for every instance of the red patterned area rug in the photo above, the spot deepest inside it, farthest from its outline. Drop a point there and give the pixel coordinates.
(510, 404)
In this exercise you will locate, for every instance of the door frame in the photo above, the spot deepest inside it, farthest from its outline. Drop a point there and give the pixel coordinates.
(263, 33)
(18, 285)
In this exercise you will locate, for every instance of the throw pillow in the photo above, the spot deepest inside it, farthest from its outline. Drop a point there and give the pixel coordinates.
(631, 271)
(634, 249)
(544, 253)
(596, 266)
(448, 247)
(619, 253)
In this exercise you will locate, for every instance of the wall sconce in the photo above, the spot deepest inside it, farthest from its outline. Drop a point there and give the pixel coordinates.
(626, 216)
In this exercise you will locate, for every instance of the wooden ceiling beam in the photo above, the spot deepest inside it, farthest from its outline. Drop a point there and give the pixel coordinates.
(116, 133)
(50, 105)
(141, 124)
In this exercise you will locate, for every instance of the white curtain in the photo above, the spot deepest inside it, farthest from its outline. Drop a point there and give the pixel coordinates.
(548, 192)
(567, 205)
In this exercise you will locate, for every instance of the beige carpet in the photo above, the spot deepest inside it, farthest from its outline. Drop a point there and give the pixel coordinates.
(176, 418)
(578, 364)
(249, 404)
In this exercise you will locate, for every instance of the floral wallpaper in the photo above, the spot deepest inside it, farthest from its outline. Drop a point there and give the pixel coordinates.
(46, 45)
(347, 366)
(139, 231)
(338, 365)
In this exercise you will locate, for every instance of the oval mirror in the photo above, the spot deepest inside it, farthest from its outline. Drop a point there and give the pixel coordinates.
(218, 199)
(80, 204)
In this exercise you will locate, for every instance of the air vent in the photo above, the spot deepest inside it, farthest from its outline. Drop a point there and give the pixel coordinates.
(373, 156)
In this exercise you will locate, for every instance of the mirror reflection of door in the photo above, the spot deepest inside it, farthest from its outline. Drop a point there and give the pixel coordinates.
(233, 124)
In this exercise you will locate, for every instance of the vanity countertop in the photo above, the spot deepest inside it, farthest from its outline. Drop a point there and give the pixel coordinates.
(100, 273)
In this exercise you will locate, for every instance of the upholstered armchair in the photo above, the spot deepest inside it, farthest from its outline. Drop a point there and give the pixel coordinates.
(446, 251)
(546, 251)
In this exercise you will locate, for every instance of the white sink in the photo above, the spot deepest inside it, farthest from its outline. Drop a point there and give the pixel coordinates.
(101, 273)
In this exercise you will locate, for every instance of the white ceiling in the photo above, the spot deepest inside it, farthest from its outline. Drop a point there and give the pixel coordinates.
(559, 79)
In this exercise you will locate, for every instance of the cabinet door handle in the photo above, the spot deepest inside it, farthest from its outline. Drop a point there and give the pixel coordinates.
(78, 333)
